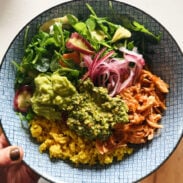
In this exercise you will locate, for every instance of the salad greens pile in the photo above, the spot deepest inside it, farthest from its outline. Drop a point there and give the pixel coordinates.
(49, 44)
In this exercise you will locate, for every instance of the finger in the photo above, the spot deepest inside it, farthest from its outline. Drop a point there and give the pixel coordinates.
(21, 173)
(3, 141)
(10, 155)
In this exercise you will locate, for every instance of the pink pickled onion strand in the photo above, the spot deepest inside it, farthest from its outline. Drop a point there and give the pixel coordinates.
(95, 59)
(134, 57)
(87, 61)
(97, 56)
(99, 61)
(113, 73)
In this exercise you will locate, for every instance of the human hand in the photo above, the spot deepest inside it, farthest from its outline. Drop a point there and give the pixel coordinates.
(12, 169)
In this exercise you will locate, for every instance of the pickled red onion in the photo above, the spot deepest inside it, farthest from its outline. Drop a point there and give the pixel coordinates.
(113, 73)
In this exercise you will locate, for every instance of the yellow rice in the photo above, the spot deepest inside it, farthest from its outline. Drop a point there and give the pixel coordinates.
(63, 143)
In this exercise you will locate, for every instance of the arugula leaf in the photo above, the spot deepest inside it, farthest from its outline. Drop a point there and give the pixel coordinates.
(91, 24)
(59, 36)
(54, 65)
(72, 19)
(133, 25)
(91, 9)
(26, 36)
(81, 27)
(108, 27)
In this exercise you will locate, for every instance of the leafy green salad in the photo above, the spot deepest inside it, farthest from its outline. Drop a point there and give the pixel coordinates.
(74, 69)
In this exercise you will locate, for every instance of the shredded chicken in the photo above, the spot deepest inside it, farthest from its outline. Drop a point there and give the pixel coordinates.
(146, 102)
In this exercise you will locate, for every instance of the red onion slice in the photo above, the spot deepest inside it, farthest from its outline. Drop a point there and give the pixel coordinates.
(114, 73)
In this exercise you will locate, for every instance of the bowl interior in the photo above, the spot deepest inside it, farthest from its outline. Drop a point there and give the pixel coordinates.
(167, 62)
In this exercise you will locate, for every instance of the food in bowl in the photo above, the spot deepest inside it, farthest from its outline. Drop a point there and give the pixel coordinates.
(86, 90)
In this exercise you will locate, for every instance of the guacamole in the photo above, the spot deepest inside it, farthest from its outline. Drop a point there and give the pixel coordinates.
(52, 95)
(91, 112)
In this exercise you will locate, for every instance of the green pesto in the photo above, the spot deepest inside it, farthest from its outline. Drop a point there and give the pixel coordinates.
(94, 112)
(91, 111)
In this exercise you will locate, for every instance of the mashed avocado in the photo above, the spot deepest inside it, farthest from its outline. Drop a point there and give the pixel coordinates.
(91, 111)
(52, 95)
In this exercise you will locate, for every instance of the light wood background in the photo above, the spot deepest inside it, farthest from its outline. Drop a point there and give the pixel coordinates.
(171, 171)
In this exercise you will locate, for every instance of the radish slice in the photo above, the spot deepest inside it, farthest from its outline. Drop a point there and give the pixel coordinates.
(22, 98)
(78, 43)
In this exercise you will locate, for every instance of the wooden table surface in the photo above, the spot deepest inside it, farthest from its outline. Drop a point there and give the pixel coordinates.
(171, 171)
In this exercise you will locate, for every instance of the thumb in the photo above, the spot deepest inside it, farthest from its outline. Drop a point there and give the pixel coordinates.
(10, 155)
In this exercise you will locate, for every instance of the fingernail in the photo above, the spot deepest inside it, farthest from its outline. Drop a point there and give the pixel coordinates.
(15, 154)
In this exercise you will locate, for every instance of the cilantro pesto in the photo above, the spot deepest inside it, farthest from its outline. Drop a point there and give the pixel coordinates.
(94, 112)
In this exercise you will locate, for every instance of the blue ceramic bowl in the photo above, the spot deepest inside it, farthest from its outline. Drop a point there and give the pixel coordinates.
(167, 62)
